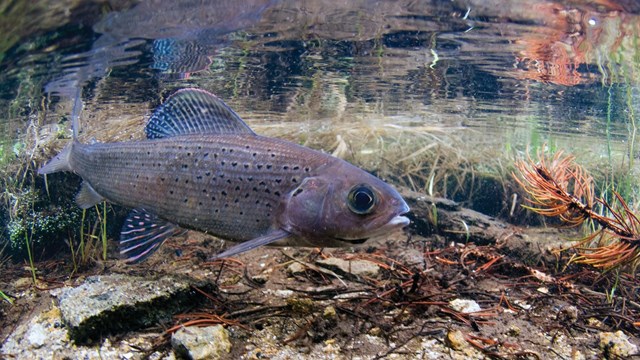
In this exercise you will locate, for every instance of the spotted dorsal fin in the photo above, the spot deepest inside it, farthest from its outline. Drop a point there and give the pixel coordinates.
(194, 111)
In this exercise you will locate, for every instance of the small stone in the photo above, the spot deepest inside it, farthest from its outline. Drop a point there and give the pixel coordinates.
(595, 323)
(300, 305)
(260, 279)
(329, 312)
(375, 331)
(295, 268)
(456, 340)
(37, 336)
(211, 342)
(568, 314)
(617, 345)
(464, 306)
(353, 267)
(513, 331)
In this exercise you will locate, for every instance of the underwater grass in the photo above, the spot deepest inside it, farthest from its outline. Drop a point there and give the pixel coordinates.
(6, 298)
(32, 267)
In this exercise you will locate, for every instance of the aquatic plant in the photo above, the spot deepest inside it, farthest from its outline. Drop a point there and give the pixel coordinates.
(557, 186)
(4, 297)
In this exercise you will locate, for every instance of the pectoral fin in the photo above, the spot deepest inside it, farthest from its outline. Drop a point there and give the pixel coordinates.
(142, 234)
(252, 244)
(87, 197)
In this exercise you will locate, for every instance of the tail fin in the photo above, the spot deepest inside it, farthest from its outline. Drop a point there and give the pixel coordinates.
(59, 163)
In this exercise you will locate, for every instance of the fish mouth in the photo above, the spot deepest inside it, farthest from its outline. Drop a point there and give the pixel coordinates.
(397, 222)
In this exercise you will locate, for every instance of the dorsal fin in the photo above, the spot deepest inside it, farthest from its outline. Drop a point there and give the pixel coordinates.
(194, 111)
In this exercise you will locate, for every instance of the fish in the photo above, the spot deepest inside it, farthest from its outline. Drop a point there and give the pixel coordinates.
(202, 168)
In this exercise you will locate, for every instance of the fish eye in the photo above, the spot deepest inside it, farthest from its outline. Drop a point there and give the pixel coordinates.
(361, 199)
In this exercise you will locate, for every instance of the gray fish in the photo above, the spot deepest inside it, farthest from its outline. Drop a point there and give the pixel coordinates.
(203, 168)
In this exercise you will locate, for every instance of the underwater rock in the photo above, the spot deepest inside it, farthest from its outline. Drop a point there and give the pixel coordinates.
(464, 306)
(110, 304)
(352, 267)
(210, 342)
(616, 345)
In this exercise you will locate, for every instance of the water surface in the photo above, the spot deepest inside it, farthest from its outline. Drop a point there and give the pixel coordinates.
(412, 90)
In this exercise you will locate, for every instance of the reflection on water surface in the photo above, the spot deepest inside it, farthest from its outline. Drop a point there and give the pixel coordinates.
(385, 84)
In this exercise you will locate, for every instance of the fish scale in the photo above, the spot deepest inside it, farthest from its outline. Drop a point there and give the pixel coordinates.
(202, 168)
(207, 182)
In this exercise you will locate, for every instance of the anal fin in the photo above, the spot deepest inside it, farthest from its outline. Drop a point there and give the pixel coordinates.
(87, 196)
(142, 234)
(252, 244)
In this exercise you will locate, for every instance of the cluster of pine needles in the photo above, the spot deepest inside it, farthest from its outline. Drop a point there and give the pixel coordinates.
(558, 187)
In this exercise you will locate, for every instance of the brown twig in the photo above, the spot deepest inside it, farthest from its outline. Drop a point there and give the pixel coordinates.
(560, 187)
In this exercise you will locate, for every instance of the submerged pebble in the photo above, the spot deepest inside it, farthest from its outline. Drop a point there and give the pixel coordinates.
(210, 342)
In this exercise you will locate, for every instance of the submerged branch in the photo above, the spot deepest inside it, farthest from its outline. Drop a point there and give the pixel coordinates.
(560, 187)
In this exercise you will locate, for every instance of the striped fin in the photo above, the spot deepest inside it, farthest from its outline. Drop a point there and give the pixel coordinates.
(194, 111)
(142, 234)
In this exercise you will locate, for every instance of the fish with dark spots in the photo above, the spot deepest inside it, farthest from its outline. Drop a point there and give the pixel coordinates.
(284, 194)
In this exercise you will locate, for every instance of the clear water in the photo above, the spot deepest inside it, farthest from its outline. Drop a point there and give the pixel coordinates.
(385, 84)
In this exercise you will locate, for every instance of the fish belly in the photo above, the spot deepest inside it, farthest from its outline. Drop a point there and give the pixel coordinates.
(230, 186)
